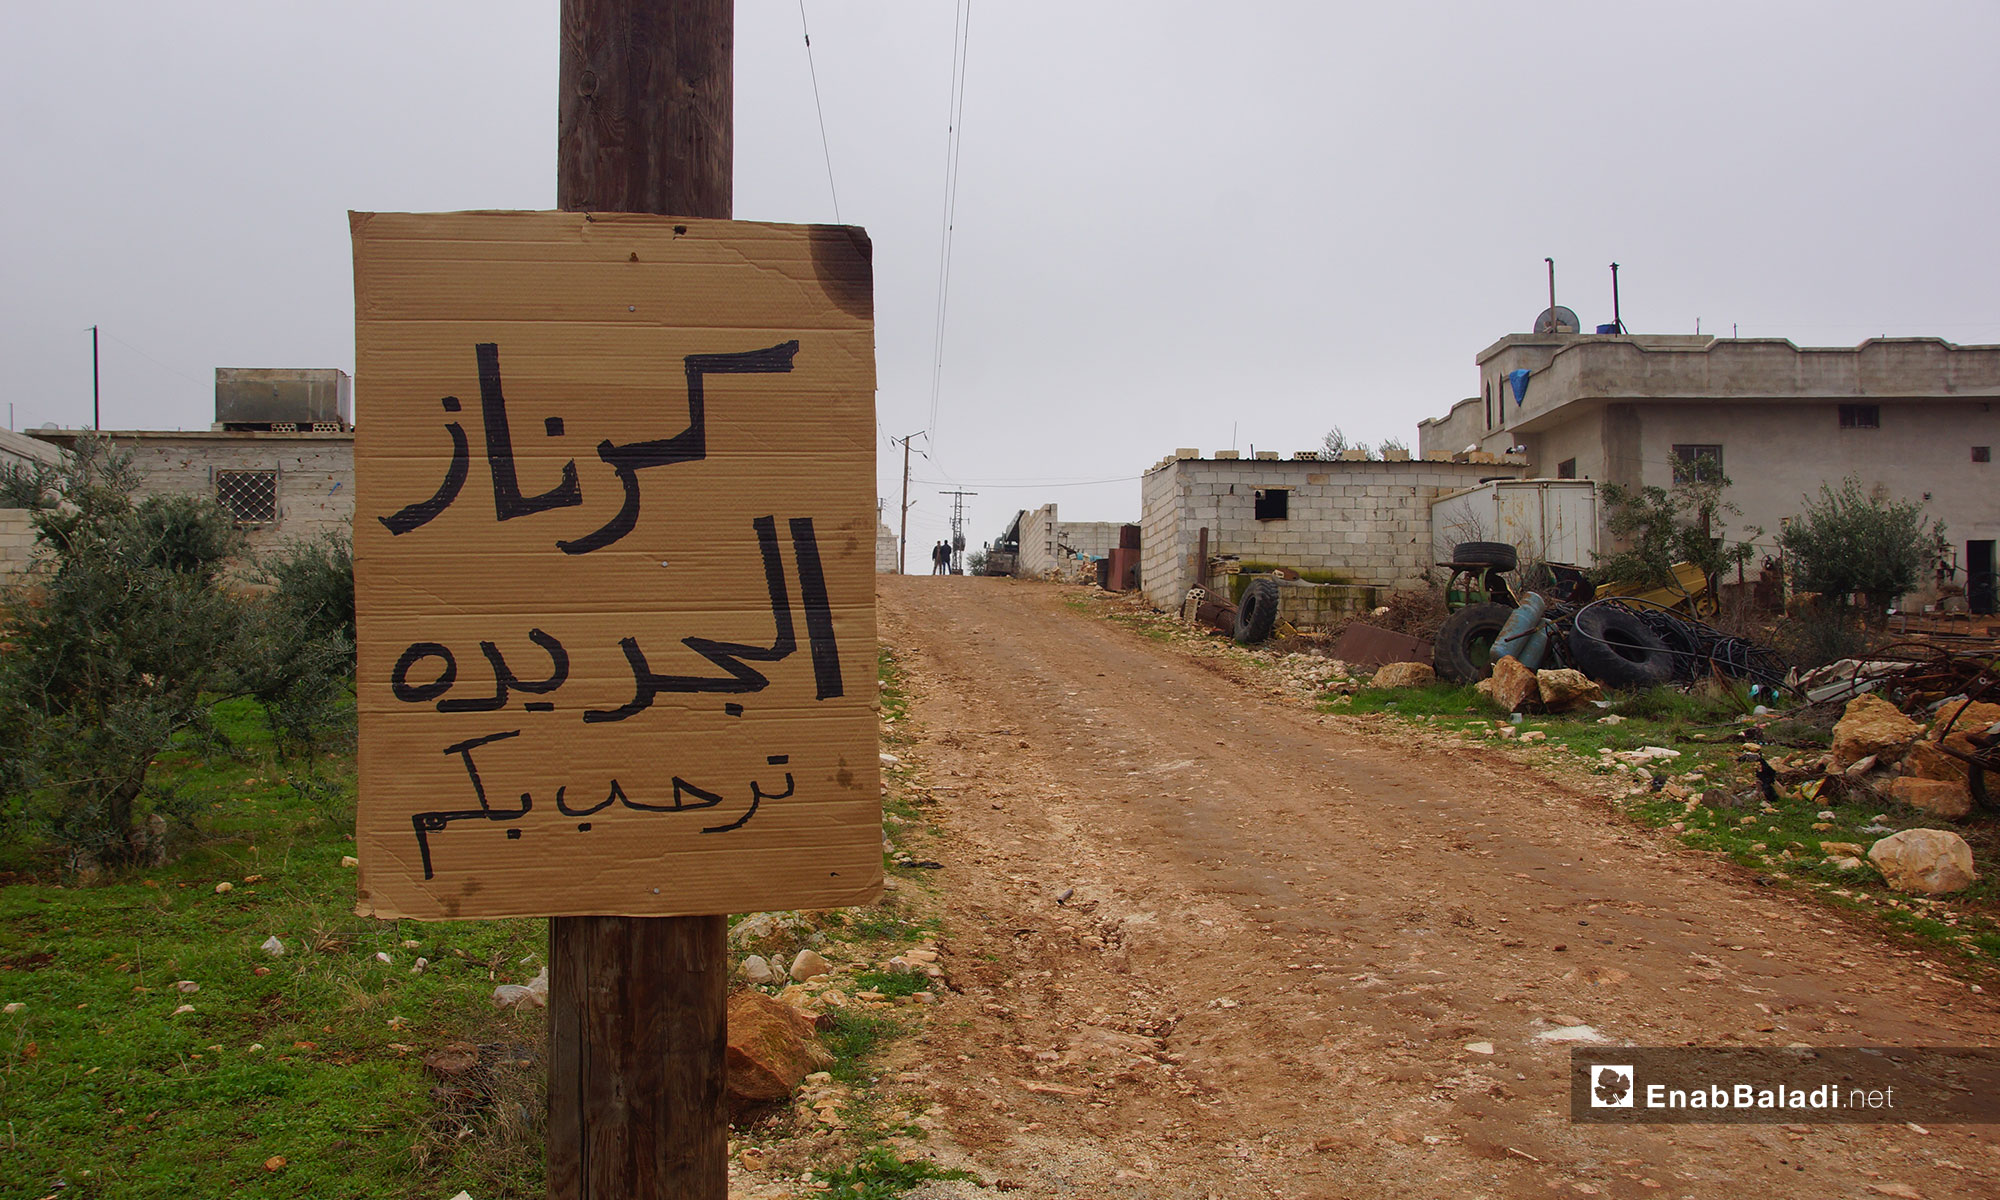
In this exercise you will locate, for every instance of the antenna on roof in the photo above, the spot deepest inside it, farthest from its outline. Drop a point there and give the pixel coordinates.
(1617, 321)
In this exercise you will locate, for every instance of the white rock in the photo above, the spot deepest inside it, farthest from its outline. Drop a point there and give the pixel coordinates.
(348, 860)
(382, 956)
(1570, 1033)
(13, 1008)
(1479, 1047)
(757, 969)
(1929, 862)
(890, 760)
(186, 987)
(224, 888)
(809, 965)
(272, 946)
(534, 994)
(185, 1008)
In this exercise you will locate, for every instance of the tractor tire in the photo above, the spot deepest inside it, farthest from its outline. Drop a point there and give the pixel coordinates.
(1257, 615)
(1614, 647)
(1463, 649)
(1499, 555)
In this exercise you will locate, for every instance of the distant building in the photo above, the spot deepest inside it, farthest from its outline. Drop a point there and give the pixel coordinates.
(279, 457)
(1048, 543)
(17, 535)
(1367, 521)
(1910, 418)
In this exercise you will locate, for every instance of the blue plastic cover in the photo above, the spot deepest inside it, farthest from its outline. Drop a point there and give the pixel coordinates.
(1518, 378)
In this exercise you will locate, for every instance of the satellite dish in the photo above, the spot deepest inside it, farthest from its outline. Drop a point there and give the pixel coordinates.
(1559, 319)
(49, 427)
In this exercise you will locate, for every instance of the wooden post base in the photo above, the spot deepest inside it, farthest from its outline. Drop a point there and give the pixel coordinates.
(638, 1030)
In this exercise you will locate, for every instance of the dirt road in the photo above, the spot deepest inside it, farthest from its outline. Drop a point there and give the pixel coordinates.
(1213, 944)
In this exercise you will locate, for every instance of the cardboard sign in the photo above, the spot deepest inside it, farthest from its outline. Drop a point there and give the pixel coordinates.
(614, 565)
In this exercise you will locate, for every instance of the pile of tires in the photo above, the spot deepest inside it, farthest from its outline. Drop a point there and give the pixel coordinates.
(1616, 647)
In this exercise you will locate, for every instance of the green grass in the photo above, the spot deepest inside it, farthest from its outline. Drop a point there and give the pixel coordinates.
(891, 984)
(880, 1173)
(1781, 841)
(105, 1091)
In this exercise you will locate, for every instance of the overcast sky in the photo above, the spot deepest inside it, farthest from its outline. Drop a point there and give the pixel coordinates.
(1178, 224)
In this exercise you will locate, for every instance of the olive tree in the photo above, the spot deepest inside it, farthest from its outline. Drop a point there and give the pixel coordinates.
(120, 640)
(1850, 542)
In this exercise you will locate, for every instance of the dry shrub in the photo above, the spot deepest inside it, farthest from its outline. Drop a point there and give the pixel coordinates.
(1414, 612)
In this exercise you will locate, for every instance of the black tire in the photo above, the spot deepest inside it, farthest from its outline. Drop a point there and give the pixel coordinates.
(1680, 639)
(1463, 650)
(1485, 554)
(1257, 615)
(1614, 647)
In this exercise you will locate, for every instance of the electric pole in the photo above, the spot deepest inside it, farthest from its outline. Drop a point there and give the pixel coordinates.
(638, 1020)
(903, 538)
(96, 411)
(957, 525)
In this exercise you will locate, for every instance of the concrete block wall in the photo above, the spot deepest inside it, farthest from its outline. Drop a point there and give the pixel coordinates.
(20, 450)
(315, 476)
(1046, 542)
(17, 541)
(1369, 521)
(885, 549)
(1166, 564)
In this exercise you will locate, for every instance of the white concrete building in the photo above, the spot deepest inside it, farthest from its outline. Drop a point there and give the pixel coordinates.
(280, 487)
(1910, 418)
(279, 458)
(1369, 521)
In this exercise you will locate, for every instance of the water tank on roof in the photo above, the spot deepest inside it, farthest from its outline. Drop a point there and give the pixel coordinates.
(261, 398)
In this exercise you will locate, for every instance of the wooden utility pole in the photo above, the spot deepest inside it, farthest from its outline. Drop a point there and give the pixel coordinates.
(903, 538)
(638, 1005)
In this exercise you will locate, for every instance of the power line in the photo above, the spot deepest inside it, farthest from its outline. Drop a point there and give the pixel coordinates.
(824, 147)
(1045, 483)
(961, 38)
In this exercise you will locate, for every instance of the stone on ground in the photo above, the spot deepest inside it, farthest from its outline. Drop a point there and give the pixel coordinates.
(1974, 719)
(809, 965)
(1564, 688)
(1871, 725)
(1926, 761)
(1513, 684)
(1939, 797)
(1404, 674)
(770, 1047)
(1931, 862)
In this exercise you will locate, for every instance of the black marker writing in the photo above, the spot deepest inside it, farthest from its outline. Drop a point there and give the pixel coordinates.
(508, 502)
(427, 823)
(689, 445)
(685, 797)
(423, 511)
(504, 679)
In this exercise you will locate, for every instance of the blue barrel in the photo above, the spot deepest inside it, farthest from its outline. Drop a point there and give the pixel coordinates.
(1522, 635)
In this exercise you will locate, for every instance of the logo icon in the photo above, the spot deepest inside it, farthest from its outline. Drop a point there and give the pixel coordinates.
(1611, 1085)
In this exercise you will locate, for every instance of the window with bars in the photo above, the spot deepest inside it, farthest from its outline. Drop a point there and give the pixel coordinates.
(249, 497)
(1860, 416)
(1272, 504)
